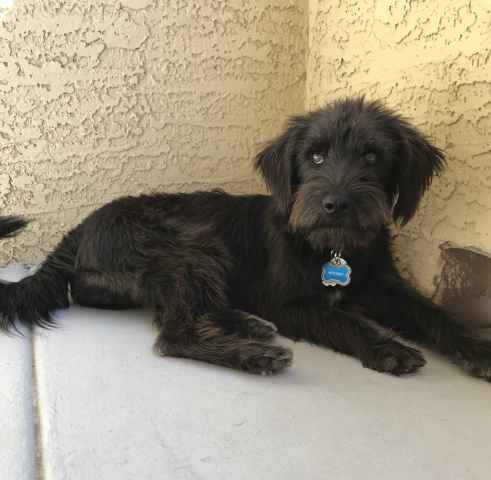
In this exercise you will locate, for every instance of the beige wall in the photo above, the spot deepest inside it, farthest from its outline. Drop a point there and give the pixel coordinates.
(100, 99)
(104, 98)
(430, 60)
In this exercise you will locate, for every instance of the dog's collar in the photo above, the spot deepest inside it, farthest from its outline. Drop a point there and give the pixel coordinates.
(336, 271)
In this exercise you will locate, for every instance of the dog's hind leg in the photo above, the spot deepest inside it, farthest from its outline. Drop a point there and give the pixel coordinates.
(105, 290)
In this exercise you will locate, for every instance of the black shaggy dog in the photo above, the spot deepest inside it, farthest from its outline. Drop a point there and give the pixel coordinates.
(213, 266)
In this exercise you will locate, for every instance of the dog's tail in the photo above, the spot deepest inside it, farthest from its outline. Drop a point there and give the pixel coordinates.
(10, 226)
(32, 300)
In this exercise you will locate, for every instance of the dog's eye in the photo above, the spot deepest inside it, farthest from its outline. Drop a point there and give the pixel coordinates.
(317, 159)
(371, 158)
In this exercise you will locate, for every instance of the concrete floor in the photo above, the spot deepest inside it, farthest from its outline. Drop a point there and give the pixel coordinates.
(109, 408)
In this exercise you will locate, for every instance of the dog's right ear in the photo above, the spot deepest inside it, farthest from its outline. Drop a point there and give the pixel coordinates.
(277, 163)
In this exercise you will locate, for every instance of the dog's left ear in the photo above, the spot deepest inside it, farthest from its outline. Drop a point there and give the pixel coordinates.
(419, 161)
(277, 163)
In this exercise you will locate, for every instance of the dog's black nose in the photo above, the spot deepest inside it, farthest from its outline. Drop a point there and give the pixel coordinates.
(335, 204)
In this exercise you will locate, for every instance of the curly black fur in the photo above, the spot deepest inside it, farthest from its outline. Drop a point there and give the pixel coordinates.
(212, 266)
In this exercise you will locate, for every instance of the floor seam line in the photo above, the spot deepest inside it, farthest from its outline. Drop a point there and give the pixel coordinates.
(38, 434)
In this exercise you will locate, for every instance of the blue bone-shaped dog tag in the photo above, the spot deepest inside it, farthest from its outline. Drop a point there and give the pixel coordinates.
(336, 272)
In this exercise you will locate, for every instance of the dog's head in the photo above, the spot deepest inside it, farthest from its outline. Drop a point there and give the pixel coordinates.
(341, 173)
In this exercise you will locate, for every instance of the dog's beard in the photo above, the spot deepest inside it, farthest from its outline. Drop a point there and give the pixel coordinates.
(369, 215)
(339, 239)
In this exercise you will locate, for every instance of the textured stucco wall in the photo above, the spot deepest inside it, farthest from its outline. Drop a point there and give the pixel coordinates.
(104, 98)
(100, 99)
(430, 60)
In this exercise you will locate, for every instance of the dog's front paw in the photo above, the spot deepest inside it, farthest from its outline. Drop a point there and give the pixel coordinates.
(394, 357)
(474, 355)
(265, 359)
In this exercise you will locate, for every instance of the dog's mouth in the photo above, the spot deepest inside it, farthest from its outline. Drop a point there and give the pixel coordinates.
(346, 226)
(340, 237)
